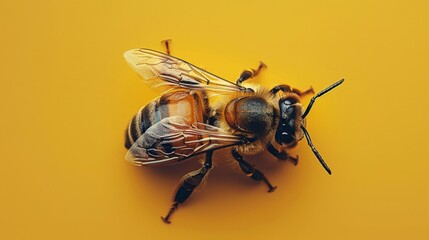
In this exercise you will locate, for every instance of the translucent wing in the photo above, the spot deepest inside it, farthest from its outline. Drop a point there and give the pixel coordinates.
(174, 139)
(159, 69)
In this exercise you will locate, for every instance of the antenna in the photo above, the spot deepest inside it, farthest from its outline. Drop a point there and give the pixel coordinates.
(320, 94)
(307, 136)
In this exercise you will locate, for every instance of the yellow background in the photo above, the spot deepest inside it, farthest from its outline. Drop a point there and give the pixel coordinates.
(67, 94)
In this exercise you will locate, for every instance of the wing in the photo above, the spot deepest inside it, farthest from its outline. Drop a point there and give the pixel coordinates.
(159, 69)
(174, 139)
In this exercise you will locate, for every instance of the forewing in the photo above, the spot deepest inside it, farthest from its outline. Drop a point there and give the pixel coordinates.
(174, 139)
(159, 69)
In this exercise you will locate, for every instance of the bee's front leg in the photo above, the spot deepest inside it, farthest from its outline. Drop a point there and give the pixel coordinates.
(188, 184)
(250, 73)
(250, 171)
(281, 155)
(287, 88)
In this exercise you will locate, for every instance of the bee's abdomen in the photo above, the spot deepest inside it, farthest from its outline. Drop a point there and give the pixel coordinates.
(192, 106)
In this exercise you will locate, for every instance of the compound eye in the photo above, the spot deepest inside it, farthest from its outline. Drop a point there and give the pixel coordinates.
(288, 101)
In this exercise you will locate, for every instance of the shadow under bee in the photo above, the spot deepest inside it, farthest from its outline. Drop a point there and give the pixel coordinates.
(226, 174)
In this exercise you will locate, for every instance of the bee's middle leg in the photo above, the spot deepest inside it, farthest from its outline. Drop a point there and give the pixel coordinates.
(250, 171)
(250, 73)
(188, 184)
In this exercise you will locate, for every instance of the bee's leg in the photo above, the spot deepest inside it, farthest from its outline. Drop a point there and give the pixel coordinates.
(281, 155)
(248, 169)
(166, 44)
(250, 73)
(287, 88)
(188, 184)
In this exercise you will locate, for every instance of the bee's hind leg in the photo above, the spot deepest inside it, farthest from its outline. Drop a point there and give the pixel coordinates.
(250, 171)
(166, 44)
(188, 184)
(250, 73)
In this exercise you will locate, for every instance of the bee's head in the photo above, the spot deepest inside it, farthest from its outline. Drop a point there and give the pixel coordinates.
(291, 126)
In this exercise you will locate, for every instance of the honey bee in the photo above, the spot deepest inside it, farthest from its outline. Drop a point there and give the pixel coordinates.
(185, 121)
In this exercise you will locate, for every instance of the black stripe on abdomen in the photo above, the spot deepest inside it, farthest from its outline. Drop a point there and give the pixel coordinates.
(147, 117)
(134, 135)
(131, 134)
(127, 140)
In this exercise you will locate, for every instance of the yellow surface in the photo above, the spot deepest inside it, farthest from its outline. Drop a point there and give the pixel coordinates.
(67, 94)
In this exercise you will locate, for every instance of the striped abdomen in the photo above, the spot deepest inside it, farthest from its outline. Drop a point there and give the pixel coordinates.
(191, 105)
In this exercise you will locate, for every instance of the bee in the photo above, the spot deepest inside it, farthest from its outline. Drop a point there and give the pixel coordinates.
(185, 121)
